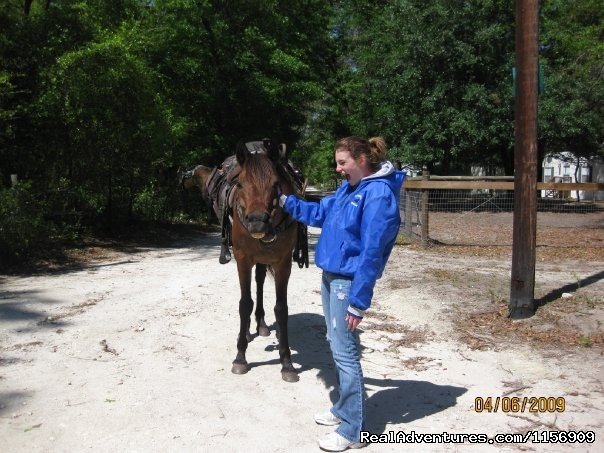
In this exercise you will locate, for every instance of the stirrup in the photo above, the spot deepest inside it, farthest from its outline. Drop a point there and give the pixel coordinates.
(225, 255)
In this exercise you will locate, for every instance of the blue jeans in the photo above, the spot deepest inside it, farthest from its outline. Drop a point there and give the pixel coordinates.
(344, 344)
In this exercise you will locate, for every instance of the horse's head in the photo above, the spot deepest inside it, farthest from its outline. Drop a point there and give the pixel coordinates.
(197, 177)
(259, 187)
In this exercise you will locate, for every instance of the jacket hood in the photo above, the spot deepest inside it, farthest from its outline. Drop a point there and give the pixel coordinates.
(388, 174)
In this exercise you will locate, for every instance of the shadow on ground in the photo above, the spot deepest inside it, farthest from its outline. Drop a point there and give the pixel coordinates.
(391, 401)
(572, 287)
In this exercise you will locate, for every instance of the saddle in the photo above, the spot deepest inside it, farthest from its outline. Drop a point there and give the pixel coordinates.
(220, 185)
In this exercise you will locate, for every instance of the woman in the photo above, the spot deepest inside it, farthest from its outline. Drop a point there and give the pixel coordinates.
(359, 225)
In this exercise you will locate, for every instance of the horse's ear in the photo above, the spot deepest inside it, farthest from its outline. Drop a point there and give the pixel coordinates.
(277, 153)
(268, 145)
(242, 153)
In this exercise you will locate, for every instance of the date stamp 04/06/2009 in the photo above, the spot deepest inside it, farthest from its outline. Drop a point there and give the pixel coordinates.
(520, 404)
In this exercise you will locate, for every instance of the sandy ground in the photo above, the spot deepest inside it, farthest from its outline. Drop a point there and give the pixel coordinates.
(132, 353)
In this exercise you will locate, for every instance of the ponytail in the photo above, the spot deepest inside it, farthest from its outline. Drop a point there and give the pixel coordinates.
(379, 151)
(374, 149)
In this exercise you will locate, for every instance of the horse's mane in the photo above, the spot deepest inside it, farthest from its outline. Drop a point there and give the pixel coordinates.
(260, 168)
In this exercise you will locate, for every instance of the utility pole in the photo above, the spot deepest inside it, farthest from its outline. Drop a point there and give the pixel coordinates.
(522, 293)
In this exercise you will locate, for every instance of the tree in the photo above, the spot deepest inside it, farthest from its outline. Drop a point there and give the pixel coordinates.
(33, 35)
(112, 125)
(236, 71)
(572, 106)
(434, 79)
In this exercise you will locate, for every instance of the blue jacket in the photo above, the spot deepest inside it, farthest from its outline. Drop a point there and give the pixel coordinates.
(359, 227)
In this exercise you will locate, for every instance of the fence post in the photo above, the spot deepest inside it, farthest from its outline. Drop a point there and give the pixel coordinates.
(14, 180)
(425, 199)
(408, 213)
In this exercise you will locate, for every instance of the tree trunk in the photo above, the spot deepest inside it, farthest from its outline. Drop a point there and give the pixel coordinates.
(27, 6)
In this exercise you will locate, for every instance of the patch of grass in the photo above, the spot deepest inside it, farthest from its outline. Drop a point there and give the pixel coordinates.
(403, 239)
(388, 324)
(577, 278)
(398, 283)
(495, 296)
(591, 302)
(444, 274)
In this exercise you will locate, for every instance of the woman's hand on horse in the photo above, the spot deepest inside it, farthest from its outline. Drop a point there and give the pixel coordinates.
(282, 199)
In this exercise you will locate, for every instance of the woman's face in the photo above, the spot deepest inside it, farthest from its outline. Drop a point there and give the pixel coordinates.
(352, 170)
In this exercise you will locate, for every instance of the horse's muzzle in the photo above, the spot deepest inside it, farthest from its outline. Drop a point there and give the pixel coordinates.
(257, 223)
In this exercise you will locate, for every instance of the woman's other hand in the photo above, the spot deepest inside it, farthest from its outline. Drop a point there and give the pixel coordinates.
(352, 322)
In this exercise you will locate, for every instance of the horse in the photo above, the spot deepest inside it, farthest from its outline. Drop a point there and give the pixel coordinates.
(263, 235)
(197, 178)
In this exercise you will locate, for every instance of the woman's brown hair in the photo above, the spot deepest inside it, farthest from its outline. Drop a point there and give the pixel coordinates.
(374, 149)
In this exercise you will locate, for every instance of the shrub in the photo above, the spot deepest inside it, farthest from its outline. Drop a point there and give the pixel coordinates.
(22, 225)
(150, 204)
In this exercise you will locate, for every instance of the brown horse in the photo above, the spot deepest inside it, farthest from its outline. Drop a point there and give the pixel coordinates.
(262, 235)
(197, 177)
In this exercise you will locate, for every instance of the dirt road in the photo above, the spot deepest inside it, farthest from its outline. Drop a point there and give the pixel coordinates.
(132, 352)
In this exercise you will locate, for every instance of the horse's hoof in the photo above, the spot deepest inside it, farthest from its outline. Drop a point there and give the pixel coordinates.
(290, 376)
(224, 259)
(240, 368)
(264, 331)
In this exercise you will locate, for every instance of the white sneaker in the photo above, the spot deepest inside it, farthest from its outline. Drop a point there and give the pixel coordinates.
(335, 442)
(327, 419)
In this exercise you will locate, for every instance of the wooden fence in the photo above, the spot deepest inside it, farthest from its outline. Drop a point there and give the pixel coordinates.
(427, 193)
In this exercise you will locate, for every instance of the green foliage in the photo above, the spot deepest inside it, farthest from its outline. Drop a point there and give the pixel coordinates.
(432, 78)
(236, 72)
(151, 204)
(112, 125)
(585, 341)
(22, 225)
(320, 164)
(7, 112)
(572, 108)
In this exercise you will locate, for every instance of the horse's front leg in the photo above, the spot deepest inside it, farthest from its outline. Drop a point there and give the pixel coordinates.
(282, 273)
(261, 327)
(246, 305)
